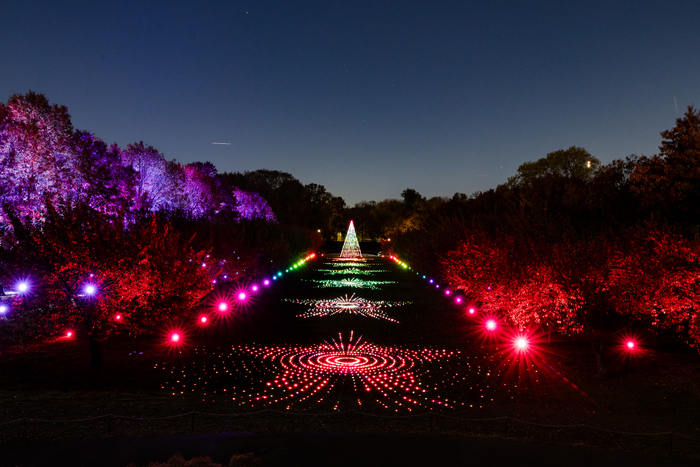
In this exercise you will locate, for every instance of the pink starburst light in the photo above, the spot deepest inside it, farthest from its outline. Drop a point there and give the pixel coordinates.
(458, 300)
(223, 306)
(175, 338)
(203, 319)
(266, 282)
(522, 344)
(630, 345)
(69, 334)
(242, 296)
(472, 311)
(491, 325)
(255, 288)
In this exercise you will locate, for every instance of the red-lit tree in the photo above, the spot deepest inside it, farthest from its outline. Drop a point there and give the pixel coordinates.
(656, 278)
(147, 274)
(555, 286)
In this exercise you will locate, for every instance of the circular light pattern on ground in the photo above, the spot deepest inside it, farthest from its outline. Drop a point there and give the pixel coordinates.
(341, 374)
(352, 304)
(354, 283)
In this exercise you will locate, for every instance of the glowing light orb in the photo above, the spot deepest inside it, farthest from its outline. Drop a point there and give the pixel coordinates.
(242, 296)
(69, 334)
(22, 287)
(472, 311)
(491, 325)
(223, 306)
(90, 289)
(3, 308)
(118, 317)
(458, 300)
(266, 282)
(174, 338)
(203, 319)
(447, 292)
(255, 288)
(630, 345)
(521, 343)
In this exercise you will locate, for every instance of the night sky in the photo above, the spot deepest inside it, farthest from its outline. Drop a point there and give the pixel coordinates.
(365, 98)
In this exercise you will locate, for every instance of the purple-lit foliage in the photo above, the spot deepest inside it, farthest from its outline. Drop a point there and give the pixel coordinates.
(42, 159)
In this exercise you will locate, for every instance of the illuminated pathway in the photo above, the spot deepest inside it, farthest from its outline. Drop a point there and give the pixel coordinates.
(346, 362)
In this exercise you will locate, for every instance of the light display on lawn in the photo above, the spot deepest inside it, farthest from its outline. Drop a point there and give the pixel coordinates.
(343, 263)
(350, 271)
(352, 304)
(336, 374)
(351, 248)
(354, 283)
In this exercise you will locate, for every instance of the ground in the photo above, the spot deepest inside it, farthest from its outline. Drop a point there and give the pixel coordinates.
(472, 376)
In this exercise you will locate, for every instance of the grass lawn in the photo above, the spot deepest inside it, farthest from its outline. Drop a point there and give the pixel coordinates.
(470, 374)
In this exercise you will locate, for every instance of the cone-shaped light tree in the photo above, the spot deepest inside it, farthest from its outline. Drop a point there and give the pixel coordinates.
(351, 248)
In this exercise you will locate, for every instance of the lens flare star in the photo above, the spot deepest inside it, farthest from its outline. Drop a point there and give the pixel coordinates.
(352, 304)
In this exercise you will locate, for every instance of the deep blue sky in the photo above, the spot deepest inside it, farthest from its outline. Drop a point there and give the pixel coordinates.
(365, 98)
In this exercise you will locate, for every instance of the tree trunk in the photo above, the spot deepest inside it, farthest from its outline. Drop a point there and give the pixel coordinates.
(600, 361)
(96, 360)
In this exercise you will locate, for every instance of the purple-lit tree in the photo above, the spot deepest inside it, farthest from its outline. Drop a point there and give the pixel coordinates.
(251, 205)
(35, 158)
(155, 184)
(104, 183)
(200, 194)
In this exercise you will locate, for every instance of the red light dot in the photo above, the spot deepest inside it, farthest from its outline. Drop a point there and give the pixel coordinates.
(118, 317)
(630, 345)
(223, 306)
(175, 337)
(203, 320)
(69, 334)
(472, 311)
(491, 325)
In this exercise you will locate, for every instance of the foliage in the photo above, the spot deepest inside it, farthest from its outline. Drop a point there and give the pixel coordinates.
(43, 160)
(143, 274)
(669, 183)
